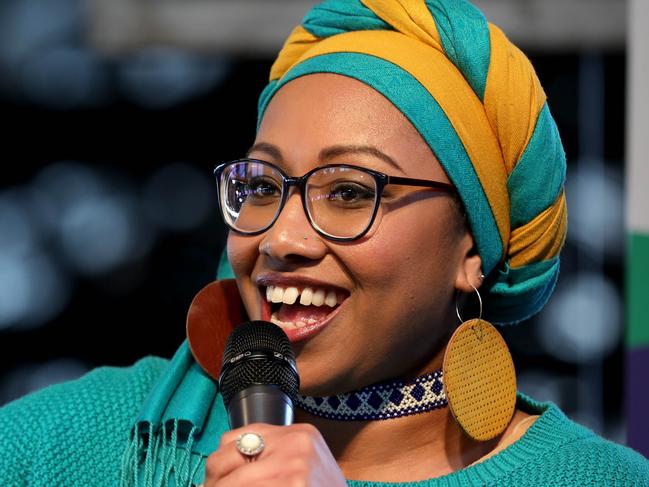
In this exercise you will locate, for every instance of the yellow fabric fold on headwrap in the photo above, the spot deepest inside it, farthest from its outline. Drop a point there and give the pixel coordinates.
(512, 117)
(446, 84)
(542, 238)
(297, 44)
(410, 18)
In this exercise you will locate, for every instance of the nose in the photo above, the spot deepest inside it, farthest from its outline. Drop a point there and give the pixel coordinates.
(292, 239)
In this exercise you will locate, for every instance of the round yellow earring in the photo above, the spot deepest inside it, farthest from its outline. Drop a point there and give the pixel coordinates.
(479, 378)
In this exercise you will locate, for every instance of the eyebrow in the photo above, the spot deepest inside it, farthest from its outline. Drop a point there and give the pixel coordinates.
(327, 152)
(270, 149)
(342, 150)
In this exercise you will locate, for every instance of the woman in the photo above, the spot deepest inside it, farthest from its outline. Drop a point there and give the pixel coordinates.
(363, 276)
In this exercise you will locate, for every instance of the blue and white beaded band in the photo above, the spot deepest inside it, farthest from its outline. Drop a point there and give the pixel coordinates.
(385, 400)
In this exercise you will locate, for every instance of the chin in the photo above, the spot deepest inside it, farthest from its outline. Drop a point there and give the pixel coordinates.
(319, 378)
(321, 389)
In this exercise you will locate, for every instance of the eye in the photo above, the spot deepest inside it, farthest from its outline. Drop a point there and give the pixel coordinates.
(263, 188)
(351, 192)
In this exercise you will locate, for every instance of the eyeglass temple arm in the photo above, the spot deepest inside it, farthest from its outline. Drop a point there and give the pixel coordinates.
(422, 182)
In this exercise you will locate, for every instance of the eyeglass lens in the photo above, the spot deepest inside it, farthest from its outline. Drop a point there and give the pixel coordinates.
(340, 201)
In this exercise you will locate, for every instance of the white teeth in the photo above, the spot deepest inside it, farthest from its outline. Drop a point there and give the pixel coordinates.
(318, 298)
(278, 295)
(287, 325)
(306, 297)
(274, 319)
(290, 295)
(269, 293)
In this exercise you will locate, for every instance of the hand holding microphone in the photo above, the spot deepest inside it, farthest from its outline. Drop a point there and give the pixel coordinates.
(258, 383)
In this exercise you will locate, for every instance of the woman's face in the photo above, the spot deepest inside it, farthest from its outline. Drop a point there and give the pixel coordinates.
(395, 287)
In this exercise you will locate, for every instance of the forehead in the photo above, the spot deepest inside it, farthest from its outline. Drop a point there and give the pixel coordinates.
(317, 111)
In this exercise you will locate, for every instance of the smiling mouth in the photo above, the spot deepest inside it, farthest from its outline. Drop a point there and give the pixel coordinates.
(301, 311)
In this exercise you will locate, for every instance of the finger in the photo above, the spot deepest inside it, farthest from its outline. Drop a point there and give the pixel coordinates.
(266, 472)
(228, 475)
(228, 458)
(261, 429)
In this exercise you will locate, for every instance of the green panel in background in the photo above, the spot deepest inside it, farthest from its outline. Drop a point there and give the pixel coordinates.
(637, 280)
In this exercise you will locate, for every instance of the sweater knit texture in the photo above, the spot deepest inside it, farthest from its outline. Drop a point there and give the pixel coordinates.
(76, 433)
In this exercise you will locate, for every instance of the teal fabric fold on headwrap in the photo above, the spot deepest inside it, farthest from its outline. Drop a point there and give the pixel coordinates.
(517, 291)
(465, 37)
(339, 16)
(264, 98)
(462, 28)
(423, 111)
(537, 180)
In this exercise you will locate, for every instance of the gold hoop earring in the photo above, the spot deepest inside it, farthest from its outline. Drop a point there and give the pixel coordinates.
(479, 378)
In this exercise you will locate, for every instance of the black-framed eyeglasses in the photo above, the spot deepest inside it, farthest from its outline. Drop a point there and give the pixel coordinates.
(340, 200)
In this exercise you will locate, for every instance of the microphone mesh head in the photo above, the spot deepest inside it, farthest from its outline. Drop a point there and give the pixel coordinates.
(262, 339)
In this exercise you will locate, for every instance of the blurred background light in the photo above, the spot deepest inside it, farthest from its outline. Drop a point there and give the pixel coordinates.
(95, 220)
(17, 231)
(101, 233)
(60, 186)
(179, 197)
(162, 77)
(29, 26)
(64, 77)
(542, 386)
(583, 320)
(33, 290)
(596, 201)
(32, 377)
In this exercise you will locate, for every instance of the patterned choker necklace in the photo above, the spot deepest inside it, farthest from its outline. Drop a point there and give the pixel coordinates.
(385, 400)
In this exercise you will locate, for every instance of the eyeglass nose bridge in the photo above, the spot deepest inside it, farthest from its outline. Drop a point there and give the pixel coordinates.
(298, 182)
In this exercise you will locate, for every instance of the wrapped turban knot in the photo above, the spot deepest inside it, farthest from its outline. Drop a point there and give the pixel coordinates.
(477, 102)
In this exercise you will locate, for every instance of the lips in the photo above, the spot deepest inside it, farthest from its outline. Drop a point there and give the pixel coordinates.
(302, 308)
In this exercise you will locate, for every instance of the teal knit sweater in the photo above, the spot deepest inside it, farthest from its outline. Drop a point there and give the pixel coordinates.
(76, 433)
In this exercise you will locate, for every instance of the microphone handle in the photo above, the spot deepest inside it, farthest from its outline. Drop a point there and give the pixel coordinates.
(261, 403)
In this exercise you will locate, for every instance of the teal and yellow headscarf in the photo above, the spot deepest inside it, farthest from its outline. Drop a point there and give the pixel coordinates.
(476, 100)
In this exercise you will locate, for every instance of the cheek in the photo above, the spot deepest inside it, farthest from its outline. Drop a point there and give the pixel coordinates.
(412, 253)
(403, 307)
(242, 253)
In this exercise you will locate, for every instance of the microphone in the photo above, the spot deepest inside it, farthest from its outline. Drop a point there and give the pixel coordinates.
(259, 379)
